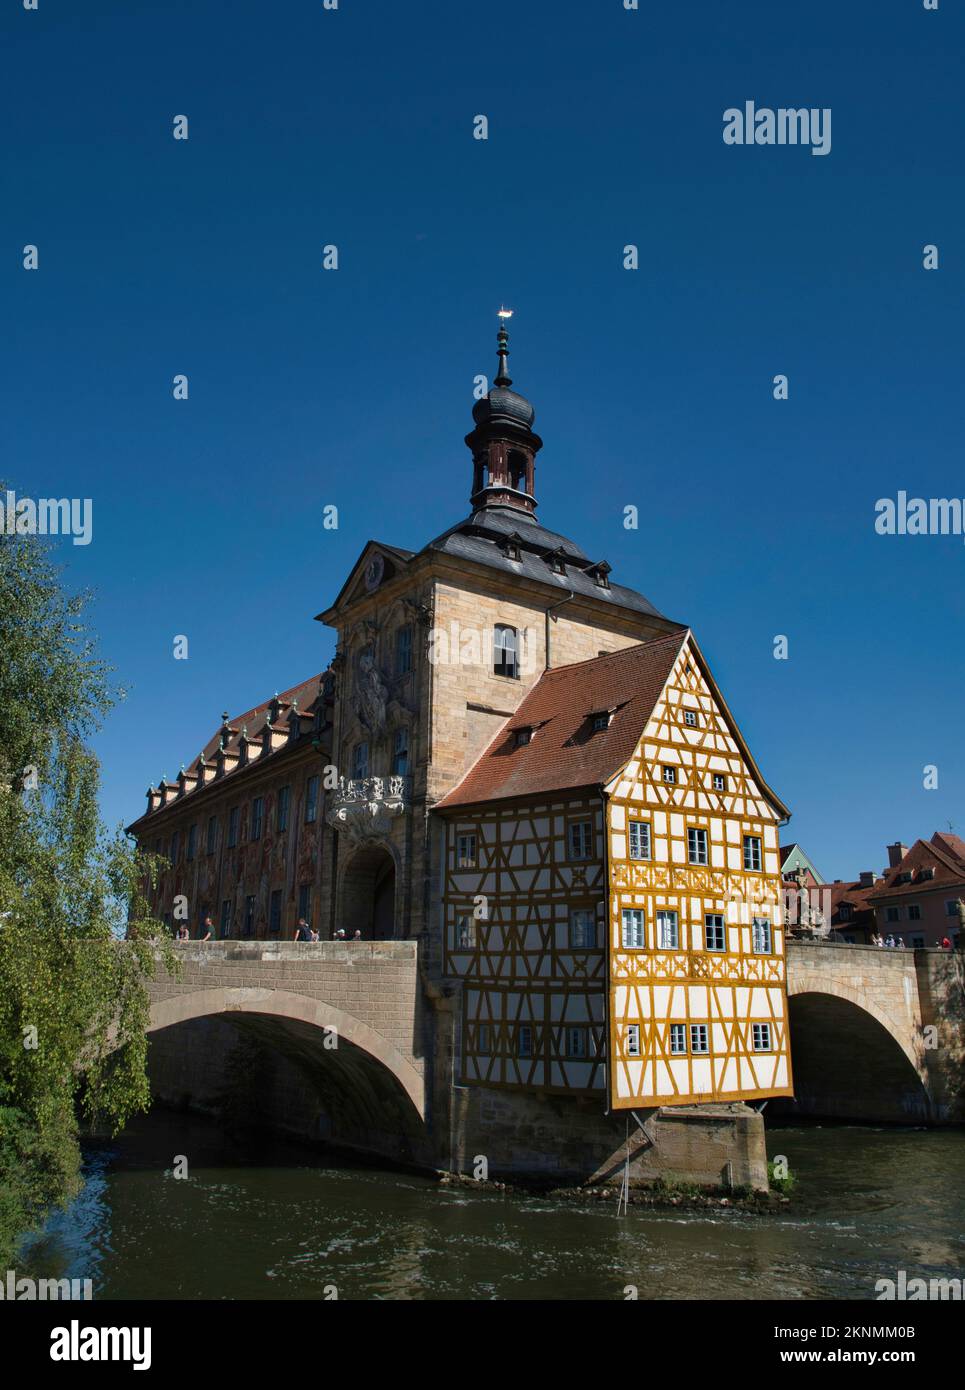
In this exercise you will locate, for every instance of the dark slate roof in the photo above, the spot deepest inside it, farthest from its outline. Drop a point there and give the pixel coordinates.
(481, 537)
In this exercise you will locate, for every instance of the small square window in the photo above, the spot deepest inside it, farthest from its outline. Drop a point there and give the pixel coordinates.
(720, 782)
(699, 1041)
(670, 774)
(522, 737)
(601, 721)
(690, 718)
(761, 1037)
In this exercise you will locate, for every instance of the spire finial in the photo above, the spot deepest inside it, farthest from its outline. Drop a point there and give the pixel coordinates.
(502, 349)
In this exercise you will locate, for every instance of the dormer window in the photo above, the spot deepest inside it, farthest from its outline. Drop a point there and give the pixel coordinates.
(511, 547)
(523, 736)
(556, 560)
(903, 878)
(600, 719)
(600, 574)
(928, 872)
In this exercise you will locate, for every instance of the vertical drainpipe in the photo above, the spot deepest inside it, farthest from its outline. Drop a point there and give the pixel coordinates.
(553, 606)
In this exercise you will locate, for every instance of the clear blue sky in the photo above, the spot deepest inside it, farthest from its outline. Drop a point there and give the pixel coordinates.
(354, 387)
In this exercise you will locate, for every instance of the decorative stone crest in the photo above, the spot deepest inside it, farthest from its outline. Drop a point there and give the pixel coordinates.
(362, 810)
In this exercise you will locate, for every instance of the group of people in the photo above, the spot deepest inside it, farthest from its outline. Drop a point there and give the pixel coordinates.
(878, 940)
(303, 932)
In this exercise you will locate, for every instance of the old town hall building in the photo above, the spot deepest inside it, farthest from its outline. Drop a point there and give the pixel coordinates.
(524, 766)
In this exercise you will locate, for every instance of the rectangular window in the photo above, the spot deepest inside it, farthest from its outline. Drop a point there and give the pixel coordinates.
(639, 839)
(360, 762)
(668, 931)
(466, 932)
(761, 1037)
(175, 846)
(581, 839)
(226, 918)
(482, 1037)
(752, 853)
(690, 718)
(505, 651)
(284, 801)
(720, 782)
(249, 914)
(400, 752)
(951, 907)
(917, 941)
(311, 800)
(914, 912)
(305, 902)
(465, 851)
(234, 820)
(697, 846)
(698, 1038)
(257, 816)
(212, 838)
(714, 938)
(761, 932)
(274, 920)
(403, 651)
(634, 929)
(192, 842)
(582, 929)
(524, 1040)
(892, 914)
(678, 1039)
(633, 1040)
(576, 1042)
(669, 774)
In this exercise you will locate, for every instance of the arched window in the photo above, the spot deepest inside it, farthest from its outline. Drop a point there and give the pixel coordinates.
(360, 762)
(517, 470)
(505, 651)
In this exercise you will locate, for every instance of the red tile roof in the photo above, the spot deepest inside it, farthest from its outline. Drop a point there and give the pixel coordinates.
(939, 854)
(564, 751)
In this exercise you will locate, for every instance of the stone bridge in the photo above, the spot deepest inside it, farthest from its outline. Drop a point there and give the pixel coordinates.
(876, 1033)
(302, 1027)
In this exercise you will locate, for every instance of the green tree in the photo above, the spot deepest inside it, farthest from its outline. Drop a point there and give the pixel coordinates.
(73, 1004)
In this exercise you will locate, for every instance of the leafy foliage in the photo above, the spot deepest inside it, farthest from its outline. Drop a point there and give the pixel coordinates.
(73, 1006)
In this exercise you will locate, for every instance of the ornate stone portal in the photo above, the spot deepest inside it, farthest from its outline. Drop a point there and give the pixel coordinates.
(362, 810)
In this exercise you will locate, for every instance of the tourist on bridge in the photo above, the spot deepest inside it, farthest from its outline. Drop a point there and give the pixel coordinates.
(182, 933)
(302, 931)
(207, 930)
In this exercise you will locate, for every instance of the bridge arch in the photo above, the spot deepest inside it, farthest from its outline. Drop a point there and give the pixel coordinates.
(336, 1075)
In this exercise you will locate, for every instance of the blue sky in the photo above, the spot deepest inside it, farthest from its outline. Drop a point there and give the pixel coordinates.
(354, 386)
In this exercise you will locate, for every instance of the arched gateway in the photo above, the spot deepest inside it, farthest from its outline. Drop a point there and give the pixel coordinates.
(366, 901)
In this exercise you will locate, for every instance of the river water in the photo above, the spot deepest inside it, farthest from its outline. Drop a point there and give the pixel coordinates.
(289, 1224)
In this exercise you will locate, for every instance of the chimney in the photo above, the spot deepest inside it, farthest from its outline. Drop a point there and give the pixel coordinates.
(868, 877)
(896, 853)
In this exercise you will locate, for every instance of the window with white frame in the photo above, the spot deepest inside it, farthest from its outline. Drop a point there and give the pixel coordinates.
(668, 931)
(639, 839)
(761, 933)
(720, 782)
(678, 1039)
(669, 774)
(714, 935)
(690, 718)
(505, 651)
(633, 1040)
(634, 936)
(465, 851)
(752, 853)
(576, 1042)
(761, 1037)
(697, 845)
(699, 1040)
(465, 931)
(581, 839)
(582, 928)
